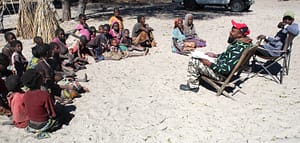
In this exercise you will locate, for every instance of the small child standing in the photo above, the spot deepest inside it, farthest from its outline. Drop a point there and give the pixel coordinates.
(15, 99)
(18, 60)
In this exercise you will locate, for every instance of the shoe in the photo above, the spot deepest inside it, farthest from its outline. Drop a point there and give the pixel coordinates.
(186, 87)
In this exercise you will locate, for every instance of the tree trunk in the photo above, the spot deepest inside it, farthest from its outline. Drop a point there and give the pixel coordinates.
(66, 16)
(81, 7)
(1, 18)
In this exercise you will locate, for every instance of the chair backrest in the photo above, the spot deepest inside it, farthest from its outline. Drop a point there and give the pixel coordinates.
(243, 61)
(288, 42)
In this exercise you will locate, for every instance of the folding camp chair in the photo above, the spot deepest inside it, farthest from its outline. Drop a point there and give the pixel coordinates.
(285, 56)
(234, 75)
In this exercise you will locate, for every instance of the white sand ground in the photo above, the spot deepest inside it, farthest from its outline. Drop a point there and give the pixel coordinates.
(138, 100)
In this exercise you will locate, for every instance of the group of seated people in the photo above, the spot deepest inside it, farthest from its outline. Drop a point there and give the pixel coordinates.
(184, 36)
(113, 41)
(222, 64)
(30, 90)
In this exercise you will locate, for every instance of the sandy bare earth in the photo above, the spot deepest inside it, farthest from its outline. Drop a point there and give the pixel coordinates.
(137, 99)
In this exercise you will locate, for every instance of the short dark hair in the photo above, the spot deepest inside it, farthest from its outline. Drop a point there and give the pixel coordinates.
(13, 83)
(59, 30)
(35, 52)
(15, 43)
(32, 79)
(139, 18)
(7, 34)
(83, 39)
(40, 51)
(82, 16)
(38, 40)
(116, 9)
(92, 29)
(53, 45)
(106, 26)
(288, 18)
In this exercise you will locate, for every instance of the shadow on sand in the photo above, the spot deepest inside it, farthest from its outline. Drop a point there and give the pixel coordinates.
(161, 10)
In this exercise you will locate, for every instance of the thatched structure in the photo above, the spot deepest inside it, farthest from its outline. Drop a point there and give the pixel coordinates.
(45, 22)
(36, 19)
(26, 17)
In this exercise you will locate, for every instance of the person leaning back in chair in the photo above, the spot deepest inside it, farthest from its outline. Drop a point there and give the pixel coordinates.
(225, 62)
(286, 26)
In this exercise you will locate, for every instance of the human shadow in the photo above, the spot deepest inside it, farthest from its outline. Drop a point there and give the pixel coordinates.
(228, 89)
(63, 113)
(7, 30)
(273, 69)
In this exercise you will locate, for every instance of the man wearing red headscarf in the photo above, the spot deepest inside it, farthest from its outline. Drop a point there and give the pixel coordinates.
(224, 62)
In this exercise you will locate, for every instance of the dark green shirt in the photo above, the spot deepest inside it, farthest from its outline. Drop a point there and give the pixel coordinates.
(228, 59)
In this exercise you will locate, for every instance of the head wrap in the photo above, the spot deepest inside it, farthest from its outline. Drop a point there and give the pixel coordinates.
(186, 19)
(176, 22)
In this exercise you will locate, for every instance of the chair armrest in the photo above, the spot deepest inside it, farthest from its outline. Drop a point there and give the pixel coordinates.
(276, 51)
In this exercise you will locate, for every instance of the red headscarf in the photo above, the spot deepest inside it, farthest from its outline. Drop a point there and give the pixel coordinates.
(177, 21)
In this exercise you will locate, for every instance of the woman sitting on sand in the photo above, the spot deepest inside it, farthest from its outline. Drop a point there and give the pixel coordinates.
(142, 33)
(190, 31)
(179, 43)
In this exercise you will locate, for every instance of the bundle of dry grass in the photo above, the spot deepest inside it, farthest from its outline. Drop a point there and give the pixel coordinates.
(26, 18)
(45, 22)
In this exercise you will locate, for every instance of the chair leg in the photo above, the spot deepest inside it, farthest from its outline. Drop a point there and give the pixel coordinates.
(288, 63)
(217, 87)
(281, 76)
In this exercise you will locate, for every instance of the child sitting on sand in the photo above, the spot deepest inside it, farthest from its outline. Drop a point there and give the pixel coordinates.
(114, 52)
(41, 118)
(100, 29)
(83, 27)
(78, 54)
(115, 32)
(15, 99)
(127, 48)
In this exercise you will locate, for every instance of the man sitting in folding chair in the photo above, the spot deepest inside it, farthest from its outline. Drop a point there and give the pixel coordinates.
(278, 48)
(286, 26)
(225, 62)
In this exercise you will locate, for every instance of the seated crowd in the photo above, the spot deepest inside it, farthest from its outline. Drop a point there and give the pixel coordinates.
(31, 89)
